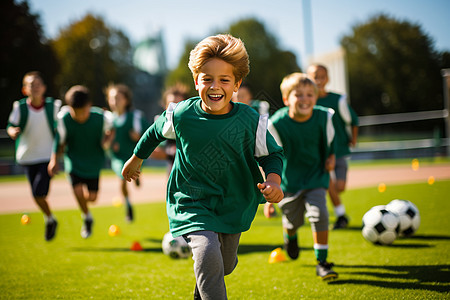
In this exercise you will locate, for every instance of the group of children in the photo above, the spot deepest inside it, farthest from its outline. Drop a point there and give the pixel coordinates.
(229, 159)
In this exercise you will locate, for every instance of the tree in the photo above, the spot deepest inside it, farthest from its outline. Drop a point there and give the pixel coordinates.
(23, 48)
(392, 67)
(93, 54)
(268, 63)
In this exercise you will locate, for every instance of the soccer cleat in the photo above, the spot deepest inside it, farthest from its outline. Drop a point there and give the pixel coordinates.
(324, 270)
(129, 217)
(86, 230)
(50, 230)
(291, 247)
(341, 222)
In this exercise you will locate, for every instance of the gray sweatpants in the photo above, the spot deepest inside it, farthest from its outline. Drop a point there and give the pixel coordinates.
(214, 255)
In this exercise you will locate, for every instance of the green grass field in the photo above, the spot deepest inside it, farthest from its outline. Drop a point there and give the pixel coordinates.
(104, 267)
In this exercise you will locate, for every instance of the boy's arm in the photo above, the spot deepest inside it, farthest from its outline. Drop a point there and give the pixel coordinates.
(13, 132)
(132, 168)
(13, 129)
(53, 167)
(271, 189)
(354, 136)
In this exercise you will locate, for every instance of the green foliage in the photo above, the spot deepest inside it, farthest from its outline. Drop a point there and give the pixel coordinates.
(23, 48)
(93, 54)
(103, 267)
(392, 67)
(268, 63)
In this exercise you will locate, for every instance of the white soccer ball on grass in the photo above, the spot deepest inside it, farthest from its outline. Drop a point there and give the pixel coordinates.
(380, 226)
(175, 247)
(408, 213)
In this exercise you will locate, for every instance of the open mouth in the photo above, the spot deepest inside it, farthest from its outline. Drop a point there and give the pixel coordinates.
(214, 97)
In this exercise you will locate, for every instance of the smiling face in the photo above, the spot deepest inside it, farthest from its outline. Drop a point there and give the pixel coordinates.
(301, 101)
(215, 85)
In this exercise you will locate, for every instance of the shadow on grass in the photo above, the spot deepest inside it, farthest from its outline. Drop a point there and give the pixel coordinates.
(250, 248)
(428, 237)
(116, 249)
(425, 277)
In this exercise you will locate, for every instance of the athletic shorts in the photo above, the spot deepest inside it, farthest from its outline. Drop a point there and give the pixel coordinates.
(39, 179)
(92, 183)
(306, 203)
(341, 168)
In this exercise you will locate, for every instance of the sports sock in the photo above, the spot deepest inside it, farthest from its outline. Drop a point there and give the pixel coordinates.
(49, 219)
(321, 252)
(339, 210)
(87, 216)
(287, 237)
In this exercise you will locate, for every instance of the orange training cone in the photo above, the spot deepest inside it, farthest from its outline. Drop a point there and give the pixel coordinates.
(136, 246)
(277, 255)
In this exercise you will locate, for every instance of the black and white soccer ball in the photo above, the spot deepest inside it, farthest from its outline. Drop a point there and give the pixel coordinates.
(175, 247)
(380, 226)
(408, 213)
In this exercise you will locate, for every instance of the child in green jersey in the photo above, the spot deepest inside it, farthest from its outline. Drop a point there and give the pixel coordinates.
(306, 133)
(32, 125)
(83, 133)
(215, 185)
(166, 151)
(245, 95)
(129, 125)
(345, 122)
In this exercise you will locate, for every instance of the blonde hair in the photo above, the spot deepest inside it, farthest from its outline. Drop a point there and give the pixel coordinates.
(222, 46)
(291, 81)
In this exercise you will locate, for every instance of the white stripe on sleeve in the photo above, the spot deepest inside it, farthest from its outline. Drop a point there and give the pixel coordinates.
(273, 131)
(168, 129)
(330, 127)
(261, 135)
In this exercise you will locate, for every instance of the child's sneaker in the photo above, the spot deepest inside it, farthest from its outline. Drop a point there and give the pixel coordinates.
(291, 247)
(86, 230)
(50, 230)
(341, 222)
(324, 270)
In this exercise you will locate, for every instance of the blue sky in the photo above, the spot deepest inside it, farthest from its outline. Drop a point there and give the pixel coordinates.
(180, 20)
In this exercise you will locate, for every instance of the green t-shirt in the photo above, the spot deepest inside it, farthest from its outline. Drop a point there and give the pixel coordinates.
(213, 183)
(123, 145)
(306, 146)
(83, 152)
(343, 119)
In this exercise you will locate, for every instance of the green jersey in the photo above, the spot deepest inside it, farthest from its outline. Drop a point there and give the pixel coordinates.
(306, 147)
(343, 119)
(122, 145)
(83, 152)
(213, 182)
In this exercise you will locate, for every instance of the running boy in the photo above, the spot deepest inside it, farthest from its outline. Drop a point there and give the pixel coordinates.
(306, 134)
(83, 133)
(32, 125)
(345, 122)
(129, 125)
(215, 185)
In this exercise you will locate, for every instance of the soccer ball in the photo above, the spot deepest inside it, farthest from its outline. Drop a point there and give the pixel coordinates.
(175, 247)
(380, 226)
(408, 213)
